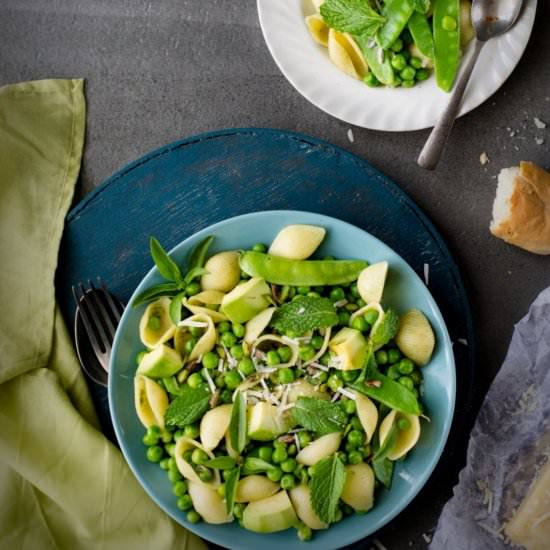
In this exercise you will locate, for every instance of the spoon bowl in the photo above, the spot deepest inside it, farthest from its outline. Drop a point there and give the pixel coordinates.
(492, 18)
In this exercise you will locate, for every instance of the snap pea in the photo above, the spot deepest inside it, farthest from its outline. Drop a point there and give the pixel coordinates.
(397, 13)
(283, 271)
(446, 42)
(377, 60)
(422, 34)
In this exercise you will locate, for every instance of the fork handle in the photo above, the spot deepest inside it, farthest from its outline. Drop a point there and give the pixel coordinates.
(431, 153)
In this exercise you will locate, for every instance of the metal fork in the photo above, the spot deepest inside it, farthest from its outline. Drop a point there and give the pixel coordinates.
(100, 315)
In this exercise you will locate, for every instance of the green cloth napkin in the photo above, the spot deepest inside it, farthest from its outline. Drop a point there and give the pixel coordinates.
(63, 484)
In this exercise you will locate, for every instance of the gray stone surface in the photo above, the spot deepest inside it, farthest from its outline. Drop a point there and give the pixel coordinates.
(158, 71)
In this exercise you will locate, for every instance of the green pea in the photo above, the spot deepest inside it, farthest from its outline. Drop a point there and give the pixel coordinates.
(189, 345)
(415, 62)
(304, 532)
(342, 456)
(206, 475)
(174, 476)
(191, 430)
(273, 357)
(184, 502)
(140, 356)
(246, 366)
(338, 515)
(287, 482)
(356, 423)
(193, 516)
(232, 379)
(317, 342)
(221, 490)
(334, 382)
(381, 357)
(288, 465)
(259, 247)
(238, 509)
(422, 74)
(303, 290)
(354, 290)
(311, 471)
(360, 302)
(403, 424)
(306, 352)
(313, 294)
(343, 318)
(407, 73)
(279, 445)
(351, 307)
(398, 62)
(337, 294)
(237, 351)
(407, 382)
(359, 323)
(228, 339)
(279, 455)
(274, 474)
(397, 46)
(371, 316)
(286, 375)
(166, 436)
(194, 380)
(178, 434)
(292, 449)
(302, 475)
(285, 354)
(405, 366)
(416, 377)
(224, 326)
(355, 437)
(304, 438)
(350, 375)
(355, 457)
(449, 23)
(238, 330)
(164, 463)
(349, 447)
(394, 355)
(192, 288)
(199, 456)
(365, 450)
(152, 436)
(219, 381)
(325, 359)
(349, 406)
(323, 377)
(154, 453)
(393, 372)
(210, 360)
(265, 453)
(153, 323)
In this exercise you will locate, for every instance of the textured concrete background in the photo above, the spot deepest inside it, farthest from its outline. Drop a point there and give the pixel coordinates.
(158, 71)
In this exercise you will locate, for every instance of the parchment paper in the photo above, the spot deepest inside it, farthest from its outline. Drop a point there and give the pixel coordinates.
(508, 444)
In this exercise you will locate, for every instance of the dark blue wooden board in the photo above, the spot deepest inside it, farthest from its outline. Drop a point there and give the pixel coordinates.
(187, 185)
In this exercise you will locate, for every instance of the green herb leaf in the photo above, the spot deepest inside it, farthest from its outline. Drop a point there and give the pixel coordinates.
(172, 386)
(237, 424)
(189, 406)
(175, 307)
(194, 273)
(166, 266)
(353, 16)
(198, 254)
(383, 470)
(231, 481)
(162, 289)
(254, 465)
(326, 487)
(386, 330)
(422, 6)
(389, 442)
(319, 416)
(370, 362)
(304, 314)
(221, 463)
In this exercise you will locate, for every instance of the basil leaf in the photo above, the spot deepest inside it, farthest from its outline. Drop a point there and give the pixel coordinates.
(353, 16)
(303, 314)
(237, 424)
(231, 481)
(327, 484)
(386, 330)
(175, 307)
(189, 406)
(166, 266)
(162, 289)
(198, 254)
(254, 465)
(221, 462)
(194, 273)
(319, 416)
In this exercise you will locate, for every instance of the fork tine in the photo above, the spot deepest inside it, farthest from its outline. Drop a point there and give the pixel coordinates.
(96, 320)
(105, 317)
(114, 308)
(88, 325)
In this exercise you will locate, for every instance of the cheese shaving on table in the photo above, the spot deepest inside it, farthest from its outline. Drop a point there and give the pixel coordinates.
(427, 274)
(463, 341)
(209, 380)
(350, 135)
(349, 394)
(378, 544)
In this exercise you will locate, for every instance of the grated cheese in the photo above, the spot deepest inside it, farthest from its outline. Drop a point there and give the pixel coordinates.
(539, 123)
(340, 303)
(220, 365)
(297, 442)
(319, 366)
(349, 394)
(335, 397)
(209, 380)
(191, 323)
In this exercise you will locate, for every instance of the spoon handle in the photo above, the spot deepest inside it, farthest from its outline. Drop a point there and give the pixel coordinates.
(431, 153)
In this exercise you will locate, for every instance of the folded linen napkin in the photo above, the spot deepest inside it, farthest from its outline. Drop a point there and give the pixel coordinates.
(63, 484)
(509, 446)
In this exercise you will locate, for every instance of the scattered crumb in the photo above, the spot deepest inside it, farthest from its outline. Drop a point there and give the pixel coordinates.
(527, 402)
(509, 272)
(512, 134)
(539, 123)
(350, 136)
(463, 341)
(516, 147)
(427, 274)
(483, 158)
(378, 545)
(491, 531)
(427, 537)
(539, 141)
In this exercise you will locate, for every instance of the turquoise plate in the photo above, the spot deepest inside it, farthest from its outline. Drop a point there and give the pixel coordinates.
(404, 290)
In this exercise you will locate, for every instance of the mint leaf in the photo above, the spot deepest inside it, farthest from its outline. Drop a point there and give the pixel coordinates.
(166, 266)
(386, 330)
(422, 6)
(197, 256)
(303, 314)
(253, 465)
(231, 481)
(353, 16)
(162, 289)
(319, 416)
(193, 273)
(327, 484)
(221, 463)
(237, 424)
(383, 466)
(189, 406)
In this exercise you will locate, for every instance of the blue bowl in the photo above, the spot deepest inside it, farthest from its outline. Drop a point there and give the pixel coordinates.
(404, 290)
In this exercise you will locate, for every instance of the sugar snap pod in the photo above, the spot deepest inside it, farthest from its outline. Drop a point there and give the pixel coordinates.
(208, 503)
(151, 401)
(408, 433)
(214, 425)
(358, 489)
(297, 242)
(155, 326)
(319, 449)
(255, 487)
(186, 469)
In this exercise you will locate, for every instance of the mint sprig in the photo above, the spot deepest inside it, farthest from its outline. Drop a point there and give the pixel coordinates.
(353, 16)
(382, 465)
(386, 330)
(189, 406)
(318, 415)
(327, 484)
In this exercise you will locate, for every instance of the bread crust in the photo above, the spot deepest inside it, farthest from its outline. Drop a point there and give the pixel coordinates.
(528, 225)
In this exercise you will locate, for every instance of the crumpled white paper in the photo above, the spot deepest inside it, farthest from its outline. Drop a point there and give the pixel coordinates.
(508, 444)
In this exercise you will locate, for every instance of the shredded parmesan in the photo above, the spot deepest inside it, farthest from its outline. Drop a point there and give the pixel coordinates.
(191, 323)
(319, 366)
(297, 442)
(539, 123)
(220, 365)
(340, 303)
(349, 394)
(209, 380)
(490, 530)
(427, 538)
(335, 397)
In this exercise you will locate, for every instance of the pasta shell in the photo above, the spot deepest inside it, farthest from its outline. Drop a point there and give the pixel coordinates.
(350, 348)
(186, 470)
(224, 272)
(300, 497)
(297, 242)
(257, 325)
(150, 400)
(302, 388)
(319, 449)
(317, 4)
(368, 307)
(318, 29)
(216, 316)
(155, 325)
(213, 297)
(406, 439)
(213, 426)
(255, 487)
(358, 489)
(206, 342)
(292, 344)
(345, 54)
(371, 282)
(208, 503)
(415, 337)
(367, 413)
(322, 349)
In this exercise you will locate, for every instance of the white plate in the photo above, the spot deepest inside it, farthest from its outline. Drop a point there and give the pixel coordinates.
(307, 67)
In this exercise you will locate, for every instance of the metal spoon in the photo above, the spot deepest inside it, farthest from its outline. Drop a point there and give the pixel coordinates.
(490, 18)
